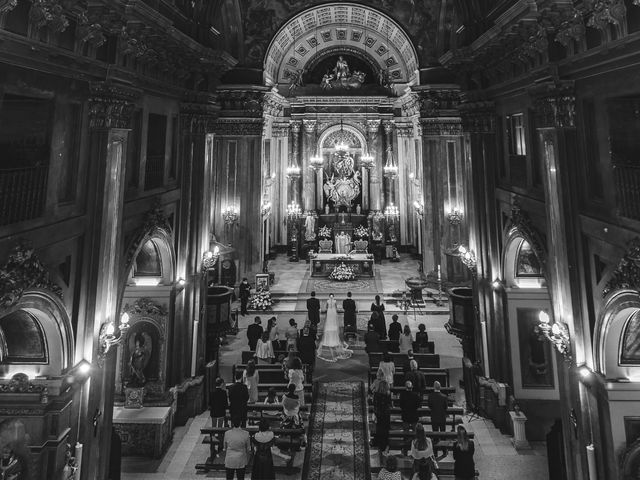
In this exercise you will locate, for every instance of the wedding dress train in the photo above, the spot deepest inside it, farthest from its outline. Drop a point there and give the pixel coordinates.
(332, 348)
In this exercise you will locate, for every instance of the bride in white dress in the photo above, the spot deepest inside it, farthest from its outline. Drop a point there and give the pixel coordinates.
(332, 348)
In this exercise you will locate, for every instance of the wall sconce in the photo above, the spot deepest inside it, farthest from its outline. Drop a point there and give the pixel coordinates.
(557, 333)
(293, 172)
(316, 162)
(468, 258)
(108, 338)
(230, 215)
(415, 180)
(265, 209)
(390, 170)
(367, 161)
(418, 206)
(391, 211)
(209, 259)
(293, 210)
(455, 217)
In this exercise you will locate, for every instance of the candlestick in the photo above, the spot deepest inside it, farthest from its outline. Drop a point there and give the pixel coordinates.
(78, 460)
(439, 275)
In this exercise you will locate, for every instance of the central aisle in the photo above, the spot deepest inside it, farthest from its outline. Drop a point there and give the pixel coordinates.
(338, 446)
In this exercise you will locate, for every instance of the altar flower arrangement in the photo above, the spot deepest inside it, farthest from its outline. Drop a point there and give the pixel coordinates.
(261, 300)
(342, 273)
(324, 232)
(360, 232)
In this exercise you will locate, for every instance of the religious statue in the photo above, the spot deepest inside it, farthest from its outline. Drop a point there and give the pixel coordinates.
(310, 226)
(10, 465)
(341, 70)
(326, 209)
(343, 243)
(296, 80)
(140, 358)
(383, 78)
(326, 81)
(358, 209)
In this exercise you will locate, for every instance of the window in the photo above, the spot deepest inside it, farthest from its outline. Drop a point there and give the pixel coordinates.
(517, 148)
(156, 144)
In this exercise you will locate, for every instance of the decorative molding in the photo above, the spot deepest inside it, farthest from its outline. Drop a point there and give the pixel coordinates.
(404, 129)
(19, 383)
(309, 126)
(627, 273)
(273, 104)
(23, 271)
(373, 126)
(440, 126)
(571, 29)
(238, 127)
(244, 102)
(478, 117)
(197, 115)
(7, 5)
(431, 102)
(605, 13)
(521, 223)
(554, 105)
(111, 106)
(280, 130)
(146, 306)
(341, 136)
(49, 13)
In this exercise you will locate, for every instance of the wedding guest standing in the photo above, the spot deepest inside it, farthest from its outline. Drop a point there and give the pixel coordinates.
(395, 329)
(251, 378)
(254, 332)
(387, 367)
(372, 340)
(264, 350)
(238, 398)
(422, 339)
(307, 346)
(218, 408)
(382, 410)
(438, 404)
(313, 309)
(238, 447)
(463, 467)
(263, 440)
(245, 293)
(380, 324)
(406, 340)
(350, 312)
(291, 335)
(422, 453)
(296, 377)
(272, 328)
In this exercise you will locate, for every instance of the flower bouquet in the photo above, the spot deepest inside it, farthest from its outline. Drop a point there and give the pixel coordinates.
(360, 232)
(342, 273)
(261, 300)
(324, 232)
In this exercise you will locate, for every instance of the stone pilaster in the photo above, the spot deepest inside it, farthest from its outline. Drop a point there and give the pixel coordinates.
(375, 174)
(390, 183)
(295, 127)
(110, 109)
(308, 174)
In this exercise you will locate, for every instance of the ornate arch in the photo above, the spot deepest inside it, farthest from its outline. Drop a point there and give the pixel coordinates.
(347, 25)
(349, 130)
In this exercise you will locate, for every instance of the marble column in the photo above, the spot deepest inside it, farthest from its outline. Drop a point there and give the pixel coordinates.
(110, 108)
(389, 183)
(375, 174)
(555, 110)
(308, 174)
(295, 159)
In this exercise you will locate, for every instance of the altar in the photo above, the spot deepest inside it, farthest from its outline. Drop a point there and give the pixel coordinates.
(323, 264)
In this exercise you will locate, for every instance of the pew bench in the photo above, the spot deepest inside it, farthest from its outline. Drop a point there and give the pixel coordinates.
(430, 376)
(401, 439)
(425, 412)
(424, 360)
(250, 354)
(393, 346)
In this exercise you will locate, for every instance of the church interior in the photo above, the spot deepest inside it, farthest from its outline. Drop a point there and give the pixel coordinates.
(470, 162)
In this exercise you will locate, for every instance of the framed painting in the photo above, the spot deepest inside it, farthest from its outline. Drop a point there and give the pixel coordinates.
(262, 281)
(630, 345)
(536, 363)
(527, 262)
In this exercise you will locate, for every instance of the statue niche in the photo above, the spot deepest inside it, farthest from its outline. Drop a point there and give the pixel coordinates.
(341, 76)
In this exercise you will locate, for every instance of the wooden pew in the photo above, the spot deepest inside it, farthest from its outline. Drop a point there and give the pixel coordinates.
(445, 390)
(424, 412)
(270, 372)
(281, 388)
(393, 346)
(292, 443)
(431, 375)
(250, 354)
(425, 360)
(401, 439)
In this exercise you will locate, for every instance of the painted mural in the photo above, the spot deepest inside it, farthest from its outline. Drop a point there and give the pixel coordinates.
(536, 364)
(263, 18)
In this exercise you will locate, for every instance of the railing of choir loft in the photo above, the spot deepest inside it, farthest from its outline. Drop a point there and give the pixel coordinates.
(154, 172)
(23, 192)
(627, 178)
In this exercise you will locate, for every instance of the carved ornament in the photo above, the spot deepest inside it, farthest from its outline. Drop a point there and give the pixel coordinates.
(198, 116)
(478, 117)
(554, 105)
(404, 129)
(244, 103)
(111, 106)
(146, 306)
(309, 126)
(7, 5)
(441, 126)
(521, 222)
(23, 271)
(273, 104)
(411, 104)
(238, 127)
(627, 273)
(341, 136)
(280, 130)
(49, 13)
(373, 126)
(571, 30)
(432, 101)
(20, 383)
(605, 12)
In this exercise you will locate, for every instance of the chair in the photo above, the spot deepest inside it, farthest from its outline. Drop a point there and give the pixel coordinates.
(326, 246)
(360, 246)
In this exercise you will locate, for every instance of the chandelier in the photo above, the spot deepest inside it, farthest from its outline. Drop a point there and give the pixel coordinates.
(367, 161)
(230, 215)
(390, 169)
(316, 162)
(293, 210)
(293, 172)
(392, 211)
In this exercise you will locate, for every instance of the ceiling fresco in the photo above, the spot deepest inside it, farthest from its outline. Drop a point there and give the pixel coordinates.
(263, 18)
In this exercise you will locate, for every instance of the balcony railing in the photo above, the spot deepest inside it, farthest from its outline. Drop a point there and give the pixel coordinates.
(23, 192)
(627, 178)
(154, 172)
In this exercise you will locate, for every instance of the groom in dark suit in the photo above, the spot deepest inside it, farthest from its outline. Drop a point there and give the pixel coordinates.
(349, 307)
(313, 309)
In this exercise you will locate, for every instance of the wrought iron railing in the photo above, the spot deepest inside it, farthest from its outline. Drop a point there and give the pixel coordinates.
(23, 192)
(627, 178)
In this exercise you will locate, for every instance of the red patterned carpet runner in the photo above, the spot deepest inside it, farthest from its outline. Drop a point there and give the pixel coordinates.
(337, 445)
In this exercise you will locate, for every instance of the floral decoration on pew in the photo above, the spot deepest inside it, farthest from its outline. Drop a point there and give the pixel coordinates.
(342, 273)
(261, 300)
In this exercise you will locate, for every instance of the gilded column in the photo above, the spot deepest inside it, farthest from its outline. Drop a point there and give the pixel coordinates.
(308, 174)
(390, 182)
(110, 109)
(375, 176)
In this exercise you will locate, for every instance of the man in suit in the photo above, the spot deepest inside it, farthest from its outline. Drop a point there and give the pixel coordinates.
(238, 399)
(395, 329)
(372, 340)
(254, 332)
(313, 309)
(437, 402)
(307, 346)
(245, 293)
(350, 310)
(237, 443)
(409, 404)
(218, 407)
(416, 377)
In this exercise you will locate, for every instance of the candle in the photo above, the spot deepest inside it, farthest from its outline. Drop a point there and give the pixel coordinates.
(78, 460)
(439, 275)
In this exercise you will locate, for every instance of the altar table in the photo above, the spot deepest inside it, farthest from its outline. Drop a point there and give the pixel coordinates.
(323, 263)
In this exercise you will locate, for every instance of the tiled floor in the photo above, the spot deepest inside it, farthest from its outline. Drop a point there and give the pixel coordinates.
(495, 457)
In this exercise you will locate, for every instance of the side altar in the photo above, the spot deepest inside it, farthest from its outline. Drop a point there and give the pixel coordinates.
(322, 264)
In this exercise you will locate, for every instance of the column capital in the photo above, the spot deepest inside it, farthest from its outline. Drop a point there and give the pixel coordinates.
(198, 115)
(434, 101)
(236, 127)
(478, 117)
(280, 129)
(309, 125)
(373, 125)
(111, 105)
(554, 104)
(295, 126)
(388, 126)
(243, 101)
(404, 129)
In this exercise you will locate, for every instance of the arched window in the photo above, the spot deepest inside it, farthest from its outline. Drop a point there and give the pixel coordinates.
(147, 263)
(22, 339)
